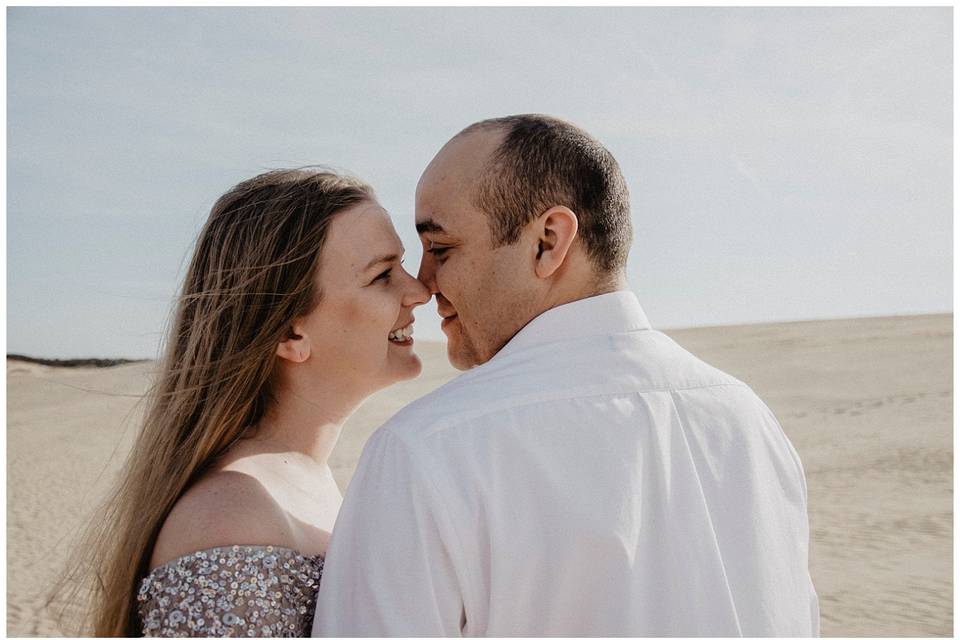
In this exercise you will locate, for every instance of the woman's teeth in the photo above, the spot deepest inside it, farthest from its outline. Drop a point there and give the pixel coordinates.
(403, 334)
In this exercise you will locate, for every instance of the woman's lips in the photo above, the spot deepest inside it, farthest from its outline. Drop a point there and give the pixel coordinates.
(402, 337)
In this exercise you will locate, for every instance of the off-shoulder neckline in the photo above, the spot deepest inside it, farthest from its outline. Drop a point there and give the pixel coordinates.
(270, 548)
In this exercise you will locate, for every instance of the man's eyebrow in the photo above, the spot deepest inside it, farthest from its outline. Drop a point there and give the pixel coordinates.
(428, 226)
(376, 261)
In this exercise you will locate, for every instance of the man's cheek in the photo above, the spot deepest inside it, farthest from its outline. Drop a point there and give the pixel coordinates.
(446, 286)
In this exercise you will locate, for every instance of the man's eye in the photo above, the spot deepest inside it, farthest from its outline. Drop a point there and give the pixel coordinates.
(437, 251)
(385, 276)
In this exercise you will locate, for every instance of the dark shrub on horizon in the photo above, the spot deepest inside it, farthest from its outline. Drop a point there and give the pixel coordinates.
(76, 362)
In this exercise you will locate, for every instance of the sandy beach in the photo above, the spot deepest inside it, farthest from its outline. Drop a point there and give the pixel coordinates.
(868, 404)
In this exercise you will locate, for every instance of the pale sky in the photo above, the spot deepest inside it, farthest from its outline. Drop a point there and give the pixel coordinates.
(783, 164)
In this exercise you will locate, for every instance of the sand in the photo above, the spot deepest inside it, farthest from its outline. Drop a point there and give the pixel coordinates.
(867, 403)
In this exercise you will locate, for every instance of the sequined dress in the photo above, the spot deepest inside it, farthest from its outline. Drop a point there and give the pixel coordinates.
(240, 590)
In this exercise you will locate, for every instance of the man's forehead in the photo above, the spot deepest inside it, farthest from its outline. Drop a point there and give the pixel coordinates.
(444, 197)
(438, 202)
(459, 163)
(471, 151)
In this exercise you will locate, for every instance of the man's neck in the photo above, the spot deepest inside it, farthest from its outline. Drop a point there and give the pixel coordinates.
(596, 286)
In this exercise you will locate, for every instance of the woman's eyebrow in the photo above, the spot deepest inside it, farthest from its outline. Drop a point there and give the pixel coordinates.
(381, 259)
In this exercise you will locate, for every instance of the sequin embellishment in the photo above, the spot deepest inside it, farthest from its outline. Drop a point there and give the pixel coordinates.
(236, 590)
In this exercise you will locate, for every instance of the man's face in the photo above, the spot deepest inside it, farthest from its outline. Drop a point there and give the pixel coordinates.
(483, 294)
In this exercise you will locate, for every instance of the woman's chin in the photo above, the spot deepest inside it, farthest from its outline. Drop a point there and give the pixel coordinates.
(411, 369)
(400, 368)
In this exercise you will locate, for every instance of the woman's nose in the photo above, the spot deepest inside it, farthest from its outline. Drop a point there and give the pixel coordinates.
(417, 292)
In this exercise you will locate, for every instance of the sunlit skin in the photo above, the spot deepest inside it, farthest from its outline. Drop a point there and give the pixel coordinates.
(468, 276)
(486, 294)
(340, 352)
(342, 346)
(276, 486)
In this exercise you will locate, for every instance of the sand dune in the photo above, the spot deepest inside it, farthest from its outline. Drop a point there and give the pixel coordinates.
(868, 404)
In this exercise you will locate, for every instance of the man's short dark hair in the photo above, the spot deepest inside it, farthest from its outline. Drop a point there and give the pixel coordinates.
(545, 162)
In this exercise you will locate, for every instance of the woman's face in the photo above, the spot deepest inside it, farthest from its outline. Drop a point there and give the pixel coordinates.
(366, 297)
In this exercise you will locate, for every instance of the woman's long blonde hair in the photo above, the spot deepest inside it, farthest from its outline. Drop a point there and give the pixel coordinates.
(251, 274)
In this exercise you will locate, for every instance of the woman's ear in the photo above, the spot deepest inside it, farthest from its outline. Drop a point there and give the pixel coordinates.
(558, 229)
(296, 346)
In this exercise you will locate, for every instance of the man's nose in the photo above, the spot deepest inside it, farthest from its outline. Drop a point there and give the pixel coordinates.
(427, 273)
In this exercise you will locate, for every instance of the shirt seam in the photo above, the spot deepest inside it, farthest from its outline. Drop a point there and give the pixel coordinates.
(444, 512)
(794, 456)
(682, 422)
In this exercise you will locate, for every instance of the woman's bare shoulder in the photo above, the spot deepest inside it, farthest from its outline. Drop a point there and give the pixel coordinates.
(223, 508)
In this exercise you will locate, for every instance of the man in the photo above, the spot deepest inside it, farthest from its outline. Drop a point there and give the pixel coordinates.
(586, 476)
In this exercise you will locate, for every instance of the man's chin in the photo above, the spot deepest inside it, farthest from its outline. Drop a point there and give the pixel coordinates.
(459, 357)
(457, 361)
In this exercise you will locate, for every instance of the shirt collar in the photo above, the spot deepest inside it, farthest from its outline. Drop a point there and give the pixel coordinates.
(609, 313)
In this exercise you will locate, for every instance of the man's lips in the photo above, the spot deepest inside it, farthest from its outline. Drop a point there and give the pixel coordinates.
(447, 313)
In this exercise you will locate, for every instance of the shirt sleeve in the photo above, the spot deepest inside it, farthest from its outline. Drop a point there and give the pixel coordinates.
(389, 568)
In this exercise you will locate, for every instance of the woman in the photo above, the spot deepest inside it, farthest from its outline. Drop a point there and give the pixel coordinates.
(295, 308)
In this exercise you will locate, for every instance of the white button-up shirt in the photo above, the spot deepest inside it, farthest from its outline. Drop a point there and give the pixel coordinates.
(591, 479)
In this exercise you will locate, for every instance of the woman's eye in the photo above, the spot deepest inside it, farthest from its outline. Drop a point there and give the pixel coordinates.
(385, 276)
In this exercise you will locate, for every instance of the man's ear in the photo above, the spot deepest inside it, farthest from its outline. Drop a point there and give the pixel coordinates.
(296, 346)
(558, 228)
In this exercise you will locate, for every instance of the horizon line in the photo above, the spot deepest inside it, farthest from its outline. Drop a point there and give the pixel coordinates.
(68, 362)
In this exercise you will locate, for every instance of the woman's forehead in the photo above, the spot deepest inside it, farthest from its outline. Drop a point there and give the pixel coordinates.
(361, 233)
